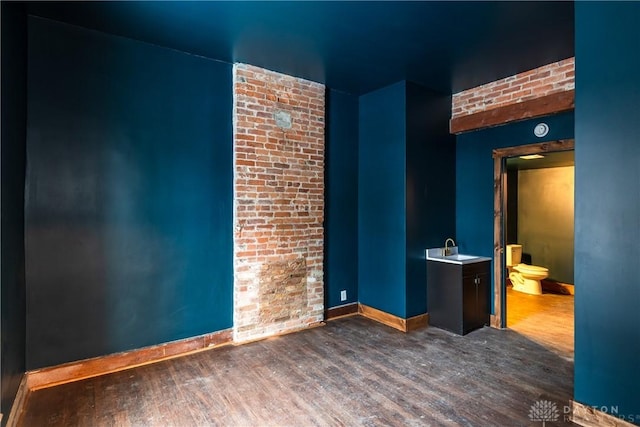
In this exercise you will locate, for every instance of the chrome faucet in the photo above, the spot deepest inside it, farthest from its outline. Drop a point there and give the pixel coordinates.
(447, 251)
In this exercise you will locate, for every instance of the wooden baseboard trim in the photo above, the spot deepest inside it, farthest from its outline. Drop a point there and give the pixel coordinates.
(18, 403)
(404, 325)
(396, 322)
(383, 317)
(417, 322)
(88, 368)
(494, 321)
(341, 311)
(587, 416)
(557, 287)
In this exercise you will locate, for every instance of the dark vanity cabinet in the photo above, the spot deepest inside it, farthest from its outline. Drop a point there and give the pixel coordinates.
(458, 295)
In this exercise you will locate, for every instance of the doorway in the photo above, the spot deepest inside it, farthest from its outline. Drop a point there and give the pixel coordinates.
(506, 160)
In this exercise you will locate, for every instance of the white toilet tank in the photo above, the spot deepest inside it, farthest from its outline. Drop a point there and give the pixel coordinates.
(514, 255)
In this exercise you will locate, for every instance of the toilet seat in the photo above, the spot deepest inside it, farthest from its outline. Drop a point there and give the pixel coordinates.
(526, 278)
(531, 269)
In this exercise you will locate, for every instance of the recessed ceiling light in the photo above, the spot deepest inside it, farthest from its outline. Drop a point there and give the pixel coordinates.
(532, 156)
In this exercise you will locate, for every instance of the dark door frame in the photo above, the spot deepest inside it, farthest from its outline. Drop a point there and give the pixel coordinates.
(498, 319)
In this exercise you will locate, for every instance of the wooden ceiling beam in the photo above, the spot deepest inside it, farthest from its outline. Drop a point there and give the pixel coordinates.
(538, 107)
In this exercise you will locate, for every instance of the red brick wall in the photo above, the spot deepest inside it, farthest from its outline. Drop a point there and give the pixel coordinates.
(279, 203)
(545, 80)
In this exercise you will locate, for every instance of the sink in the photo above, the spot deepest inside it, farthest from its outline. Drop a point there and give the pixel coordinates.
(437, 254)
(461, 257)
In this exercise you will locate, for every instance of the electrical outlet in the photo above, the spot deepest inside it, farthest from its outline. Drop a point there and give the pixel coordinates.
(343, 295)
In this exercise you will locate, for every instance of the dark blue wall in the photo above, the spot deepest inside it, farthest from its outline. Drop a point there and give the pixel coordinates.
(474, 176)
(607, 216)
(381, 200)
(406, 199)
(341, 198)
(431, 178)
(13, 151)
(129, 195)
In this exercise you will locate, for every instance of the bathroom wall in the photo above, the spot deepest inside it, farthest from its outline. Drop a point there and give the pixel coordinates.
(545, 219)
(511, 215)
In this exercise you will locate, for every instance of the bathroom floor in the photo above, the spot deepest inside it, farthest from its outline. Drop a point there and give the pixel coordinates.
(546, 319)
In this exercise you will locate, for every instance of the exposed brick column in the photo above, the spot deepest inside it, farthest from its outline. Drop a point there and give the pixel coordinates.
(545, 80)
(279, 202)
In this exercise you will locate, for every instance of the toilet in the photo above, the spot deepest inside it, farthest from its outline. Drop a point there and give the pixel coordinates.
(525, 278)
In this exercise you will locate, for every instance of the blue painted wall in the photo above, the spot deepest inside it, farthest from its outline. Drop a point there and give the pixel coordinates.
(474, 176)
(381, 199)
(406, 200)
(607, 217)
(430, 186)
(12, 155)
(341, 198)
(129, 195)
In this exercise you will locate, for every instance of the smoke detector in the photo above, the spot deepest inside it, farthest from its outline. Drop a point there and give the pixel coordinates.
(541, 130)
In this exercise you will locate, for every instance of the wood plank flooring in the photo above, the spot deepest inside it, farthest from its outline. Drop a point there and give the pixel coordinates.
(547, 319)
(352, 372)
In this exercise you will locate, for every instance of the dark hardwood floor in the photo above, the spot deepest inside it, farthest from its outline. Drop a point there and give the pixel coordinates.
(351, 372)
(547, 319)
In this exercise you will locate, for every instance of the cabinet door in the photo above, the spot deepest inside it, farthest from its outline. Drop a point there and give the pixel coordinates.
(444, 295)
(484, 298)
(476, 297)
(470, 302)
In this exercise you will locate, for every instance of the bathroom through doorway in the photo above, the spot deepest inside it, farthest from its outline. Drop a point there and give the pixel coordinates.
(533, 243)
